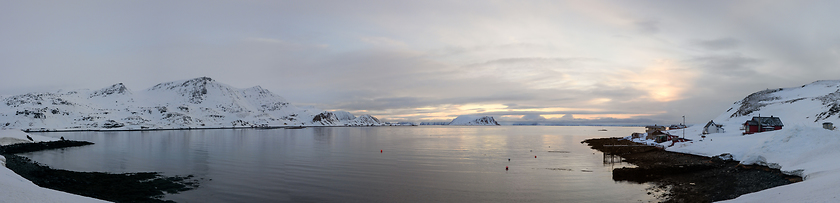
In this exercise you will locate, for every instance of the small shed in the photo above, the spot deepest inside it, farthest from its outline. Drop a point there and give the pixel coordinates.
(659, 136)
(828, 125)
(762, 124)
(637, 135)
(712, 127)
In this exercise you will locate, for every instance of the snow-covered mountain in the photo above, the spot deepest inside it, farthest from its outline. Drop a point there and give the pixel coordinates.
(473, 120)
(195, 103)
(808, 105)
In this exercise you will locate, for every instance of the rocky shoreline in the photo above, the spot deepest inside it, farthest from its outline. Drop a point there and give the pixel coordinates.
(126, 187)
(686, 177)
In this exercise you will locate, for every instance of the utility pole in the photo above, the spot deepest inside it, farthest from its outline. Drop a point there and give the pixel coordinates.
(684, 126)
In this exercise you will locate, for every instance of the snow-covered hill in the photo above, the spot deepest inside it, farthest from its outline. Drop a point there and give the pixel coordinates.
(473, 120)
(195, 103)
(810, 104)
(801, 147)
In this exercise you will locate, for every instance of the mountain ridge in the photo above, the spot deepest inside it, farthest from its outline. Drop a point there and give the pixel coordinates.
(809, 104)
(473, 120)
(193, 103)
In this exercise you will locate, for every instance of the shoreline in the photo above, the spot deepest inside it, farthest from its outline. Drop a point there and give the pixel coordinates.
(687, 177)
(40, 130)
(122, 187)
(32, 130)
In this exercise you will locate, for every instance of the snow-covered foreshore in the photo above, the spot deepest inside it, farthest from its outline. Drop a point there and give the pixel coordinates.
(802, 150)
(14, 188)
(802, 147)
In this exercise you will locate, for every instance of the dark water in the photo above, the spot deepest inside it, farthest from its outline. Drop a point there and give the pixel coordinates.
(344, 164)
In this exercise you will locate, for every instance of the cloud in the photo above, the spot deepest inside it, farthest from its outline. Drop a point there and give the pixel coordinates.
(597, 121)
(734, 64)
(425, 60)
(647, 26)
(567, 117)
(383, 41)
(717, 44)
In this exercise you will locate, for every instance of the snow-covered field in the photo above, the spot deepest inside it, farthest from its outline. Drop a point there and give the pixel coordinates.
(807, 151)
(802, 147)
(14, 188)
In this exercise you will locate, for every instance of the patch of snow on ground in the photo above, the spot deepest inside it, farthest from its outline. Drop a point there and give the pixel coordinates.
(8, 137)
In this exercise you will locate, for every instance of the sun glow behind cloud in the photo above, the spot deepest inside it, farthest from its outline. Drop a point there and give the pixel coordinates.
(504, 112)
(664, 81)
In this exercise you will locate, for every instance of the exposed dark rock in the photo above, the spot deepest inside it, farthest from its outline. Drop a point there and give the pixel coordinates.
(127, 187)
(118, 88)
(112, 124)
(240, 123)
(686, 177)
(38, 146)
(754, 102)
(325, 118)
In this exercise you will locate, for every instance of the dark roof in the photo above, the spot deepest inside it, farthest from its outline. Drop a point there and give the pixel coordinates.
(710, 123)
(766, 121)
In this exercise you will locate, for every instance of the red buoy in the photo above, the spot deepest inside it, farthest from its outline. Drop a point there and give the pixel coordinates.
(535, 157)
(506, 168)
(380, 151)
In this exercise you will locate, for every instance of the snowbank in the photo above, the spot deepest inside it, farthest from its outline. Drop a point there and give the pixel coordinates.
(806, 151)
(12, 136)
(14, 188)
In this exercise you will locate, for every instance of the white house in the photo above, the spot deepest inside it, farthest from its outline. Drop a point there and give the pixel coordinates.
(711, 127)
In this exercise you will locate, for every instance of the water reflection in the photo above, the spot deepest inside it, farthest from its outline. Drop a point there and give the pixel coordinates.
(612, 159)
(337, 164)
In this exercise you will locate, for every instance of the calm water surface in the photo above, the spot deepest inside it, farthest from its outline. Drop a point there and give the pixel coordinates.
(344, 164)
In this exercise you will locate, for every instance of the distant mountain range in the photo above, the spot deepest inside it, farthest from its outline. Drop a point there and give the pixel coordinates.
(194, 103)
(466, 120)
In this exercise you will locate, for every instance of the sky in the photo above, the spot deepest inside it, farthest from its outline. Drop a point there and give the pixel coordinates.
(568, 62)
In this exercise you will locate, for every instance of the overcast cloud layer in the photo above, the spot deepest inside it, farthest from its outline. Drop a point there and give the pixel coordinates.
(576, 62)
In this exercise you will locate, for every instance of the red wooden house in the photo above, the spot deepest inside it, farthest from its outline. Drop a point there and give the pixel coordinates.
(762, 124)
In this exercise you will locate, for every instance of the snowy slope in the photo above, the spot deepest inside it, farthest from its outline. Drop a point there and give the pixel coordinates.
(810, 104)
(802, 147)
(194, 103)
(473, 120)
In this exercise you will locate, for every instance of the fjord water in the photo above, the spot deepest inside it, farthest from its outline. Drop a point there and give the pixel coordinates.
(345, 164)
